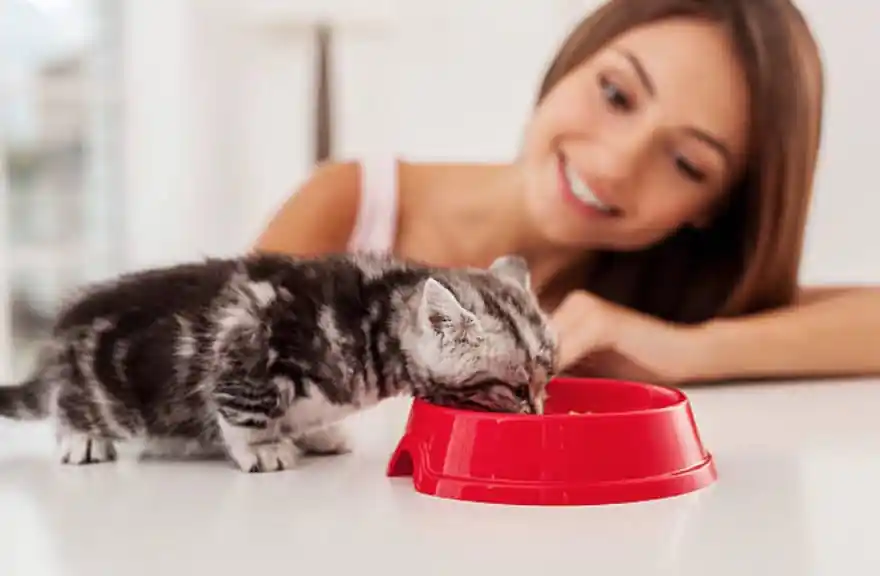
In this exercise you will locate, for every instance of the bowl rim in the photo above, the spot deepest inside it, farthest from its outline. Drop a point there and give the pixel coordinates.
(681, 399)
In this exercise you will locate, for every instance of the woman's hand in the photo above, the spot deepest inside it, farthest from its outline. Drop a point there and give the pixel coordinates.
(599, 338)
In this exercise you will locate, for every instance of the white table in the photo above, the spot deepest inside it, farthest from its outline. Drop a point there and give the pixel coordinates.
(798, 493)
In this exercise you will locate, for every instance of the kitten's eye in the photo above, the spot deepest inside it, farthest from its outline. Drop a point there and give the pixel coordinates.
(614, 95)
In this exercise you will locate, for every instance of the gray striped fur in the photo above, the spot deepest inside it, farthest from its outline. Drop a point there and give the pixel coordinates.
(259, 357)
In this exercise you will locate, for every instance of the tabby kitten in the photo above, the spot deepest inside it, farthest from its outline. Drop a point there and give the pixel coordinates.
(259, 357)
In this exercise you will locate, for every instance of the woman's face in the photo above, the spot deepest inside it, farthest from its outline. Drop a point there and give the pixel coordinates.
(643, 138)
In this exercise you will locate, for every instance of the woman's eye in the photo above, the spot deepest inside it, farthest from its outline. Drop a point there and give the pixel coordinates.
(614, 95)
(689, 170)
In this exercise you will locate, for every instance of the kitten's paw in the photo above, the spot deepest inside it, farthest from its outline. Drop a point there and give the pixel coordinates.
(77, 448)
(268, 457)
(329, 440)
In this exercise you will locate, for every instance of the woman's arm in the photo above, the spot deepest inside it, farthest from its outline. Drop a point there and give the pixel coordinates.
(827, 332)
(319, 217)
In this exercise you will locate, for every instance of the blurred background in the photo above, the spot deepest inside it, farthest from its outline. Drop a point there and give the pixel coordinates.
(136, 133)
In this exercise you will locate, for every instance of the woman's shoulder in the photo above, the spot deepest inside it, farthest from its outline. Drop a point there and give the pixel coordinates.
(341, 205)
(319, 215)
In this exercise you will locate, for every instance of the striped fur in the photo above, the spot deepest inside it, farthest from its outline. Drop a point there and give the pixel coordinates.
(259, 357)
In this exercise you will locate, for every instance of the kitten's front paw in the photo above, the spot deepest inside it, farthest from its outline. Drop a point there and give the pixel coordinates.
(268, 457)
(78, 448)
(325, 441)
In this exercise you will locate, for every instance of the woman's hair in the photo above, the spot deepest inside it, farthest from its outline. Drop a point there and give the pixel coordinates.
(748, 259)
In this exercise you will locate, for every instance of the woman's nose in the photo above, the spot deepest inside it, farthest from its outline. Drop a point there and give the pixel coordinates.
(618, 158)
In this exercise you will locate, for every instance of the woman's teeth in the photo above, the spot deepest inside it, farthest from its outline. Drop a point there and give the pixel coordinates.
(583, 193)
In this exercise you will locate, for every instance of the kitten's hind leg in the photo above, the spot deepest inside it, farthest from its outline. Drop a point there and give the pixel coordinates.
(80, 436)
(328, 440)
(80, 448)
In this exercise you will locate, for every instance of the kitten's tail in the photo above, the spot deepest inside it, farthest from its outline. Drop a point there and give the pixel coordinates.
(27, 401)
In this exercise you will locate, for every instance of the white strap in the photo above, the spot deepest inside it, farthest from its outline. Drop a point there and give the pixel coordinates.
(376, 225)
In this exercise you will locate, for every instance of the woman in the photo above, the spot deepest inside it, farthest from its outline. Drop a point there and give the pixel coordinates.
(661, 198)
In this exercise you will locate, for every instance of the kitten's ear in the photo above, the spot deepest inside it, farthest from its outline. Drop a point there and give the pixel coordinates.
(514, 268)
(441, 310)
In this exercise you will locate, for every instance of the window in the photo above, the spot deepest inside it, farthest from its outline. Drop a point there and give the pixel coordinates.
(60, 131)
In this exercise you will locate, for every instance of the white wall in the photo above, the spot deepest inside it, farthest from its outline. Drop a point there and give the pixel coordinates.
(843, 241)
(162, 141)
(468, 74)
(5, 296)
(219, 109)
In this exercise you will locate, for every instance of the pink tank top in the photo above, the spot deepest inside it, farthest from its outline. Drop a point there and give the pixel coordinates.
(375, 228)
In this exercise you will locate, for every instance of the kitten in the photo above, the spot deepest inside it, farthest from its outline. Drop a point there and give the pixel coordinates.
(259, 357)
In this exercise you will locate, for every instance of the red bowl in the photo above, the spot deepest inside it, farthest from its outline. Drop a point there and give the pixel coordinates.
(630, 442)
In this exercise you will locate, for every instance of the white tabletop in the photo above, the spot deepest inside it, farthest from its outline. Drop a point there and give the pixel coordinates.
(798, 493)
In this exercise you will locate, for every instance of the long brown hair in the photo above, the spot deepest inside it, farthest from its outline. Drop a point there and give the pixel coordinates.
(748, 259)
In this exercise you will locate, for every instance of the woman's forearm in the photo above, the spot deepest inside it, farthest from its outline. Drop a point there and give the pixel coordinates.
(837, 334)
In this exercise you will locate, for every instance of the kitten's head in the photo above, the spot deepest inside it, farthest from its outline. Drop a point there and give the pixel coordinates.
(483, 342)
